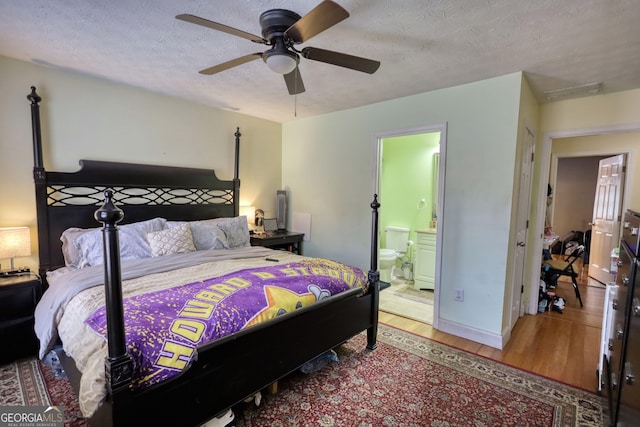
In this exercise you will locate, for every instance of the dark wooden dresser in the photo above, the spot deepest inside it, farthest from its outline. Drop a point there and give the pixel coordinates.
(623, 365)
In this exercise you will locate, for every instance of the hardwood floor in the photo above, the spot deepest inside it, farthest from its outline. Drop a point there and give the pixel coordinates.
(561, 346)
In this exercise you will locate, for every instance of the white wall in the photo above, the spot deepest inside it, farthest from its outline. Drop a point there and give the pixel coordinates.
(89, 118)
(328, 164)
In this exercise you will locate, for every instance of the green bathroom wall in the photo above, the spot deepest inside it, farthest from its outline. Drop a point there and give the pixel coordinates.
(406, 182)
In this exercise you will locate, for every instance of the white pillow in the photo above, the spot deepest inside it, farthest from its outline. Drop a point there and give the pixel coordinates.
(132, 238)
(171, 241)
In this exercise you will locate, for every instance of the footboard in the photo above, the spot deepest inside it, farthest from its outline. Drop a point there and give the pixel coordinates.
(230, 369)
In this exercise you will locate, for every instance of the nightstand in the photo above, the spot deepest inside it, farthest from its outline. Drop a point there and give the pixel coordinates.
(287, 240)
(18, 298)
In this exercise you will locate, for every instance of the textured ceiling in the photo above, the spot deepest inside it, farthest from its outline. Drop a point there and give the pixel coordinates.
(422, 45)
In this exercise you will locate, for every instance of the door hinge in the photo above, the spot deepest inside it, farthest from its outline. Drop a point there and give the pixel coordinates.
(527, 224)
(532, 156)
(522, 289)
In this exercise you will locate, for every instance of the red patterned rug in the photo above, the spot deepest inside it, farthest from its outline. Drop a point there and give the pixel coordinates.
(412, 381)
(407, 381)
(30, 382)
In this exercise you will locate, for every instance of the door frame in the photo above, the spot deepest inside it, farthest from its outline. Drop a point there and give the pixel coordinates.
(523, 213)
(377, 166)
(546, 160)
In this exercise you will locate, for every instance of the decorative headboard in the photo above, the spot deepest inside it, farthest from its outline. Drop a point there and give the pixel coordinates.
(69, 199)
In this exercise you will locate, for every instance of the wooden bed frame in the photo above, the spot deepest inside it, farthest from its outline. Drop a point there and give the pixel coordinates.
(225, 371)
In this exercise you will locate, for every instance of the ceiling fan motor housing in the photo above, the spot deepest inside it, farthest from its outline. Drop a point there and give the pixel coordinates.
(275, 22)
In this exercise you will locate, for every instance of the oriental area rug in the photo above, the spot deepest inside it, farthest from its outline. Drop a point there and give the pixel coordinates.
(407, 381)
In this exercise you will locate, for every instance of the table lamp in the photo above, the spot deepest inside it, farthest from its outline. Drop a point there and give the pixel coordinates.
(14, 242)
(250, 213)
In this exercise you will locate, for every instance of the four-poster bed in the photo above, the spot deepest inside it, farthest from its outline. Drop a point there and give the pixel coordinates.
(220, 373)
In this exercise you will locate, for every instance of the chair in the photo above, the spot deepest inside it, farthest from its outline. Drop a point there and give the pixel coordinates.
(553, 269)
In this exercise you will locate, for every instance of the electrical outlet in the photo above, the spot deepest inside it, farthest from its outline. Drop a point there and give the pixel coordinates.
(459, 294)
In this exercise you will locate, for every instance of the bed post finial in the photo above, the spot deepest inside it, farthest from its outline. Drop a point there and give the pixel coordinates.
(374, 276)
(33, 96)
(118, 365)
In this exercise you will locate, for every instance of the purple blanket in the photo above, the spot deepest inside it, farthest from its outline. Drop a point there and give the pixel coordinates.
(163, 328)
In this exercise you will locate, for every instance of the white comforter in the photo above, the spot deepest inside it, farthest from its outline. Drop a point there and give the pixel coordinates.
(74, 294)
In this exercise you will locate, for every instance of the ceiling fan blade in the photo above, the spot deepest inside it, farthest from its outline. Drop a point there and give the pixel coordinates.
(323, 16)
(230, 64)
(221, 27)
(294, 82)
(341, 59)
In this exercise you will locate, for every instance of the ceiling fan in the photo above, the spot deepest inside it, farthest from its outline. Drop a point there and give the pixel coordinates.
(282, 29)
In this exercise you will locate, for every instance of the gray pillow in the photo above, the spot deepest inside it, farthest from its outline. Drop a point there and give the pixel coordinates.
(69, 251)
(206, 234)
(236, 230)
(132, 238)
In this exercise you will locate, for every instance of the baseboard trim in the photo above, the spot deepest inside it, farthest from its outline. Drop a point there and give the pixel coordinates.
(473, 334)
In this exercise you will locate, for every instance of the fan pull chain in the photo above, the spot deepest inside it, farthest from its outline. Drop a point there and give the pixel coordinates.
(295, 97)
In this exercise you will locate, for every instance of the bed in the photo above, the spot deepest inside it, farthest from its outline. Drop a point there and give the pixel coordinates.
(213, 375)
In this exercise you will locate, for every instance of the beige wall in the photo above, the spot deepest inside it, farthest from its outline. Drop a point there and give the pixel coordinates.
(528, 121)
(574, 194)
(604, 124)
(610, 110)
(609, 144)
(599, 117)
(89, 118)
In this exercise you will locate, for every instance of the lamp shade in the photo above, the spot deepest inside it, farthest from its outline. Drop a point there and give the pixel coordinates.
(15, 242)
(249, 212)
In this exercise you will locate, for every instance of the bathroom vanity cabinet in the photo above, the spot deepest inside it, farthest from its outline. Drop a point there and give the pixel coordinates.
(425, 259)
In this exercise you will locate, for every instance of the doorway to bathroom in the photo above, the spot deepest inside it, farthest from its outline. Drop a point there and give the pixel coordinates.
(409, 179)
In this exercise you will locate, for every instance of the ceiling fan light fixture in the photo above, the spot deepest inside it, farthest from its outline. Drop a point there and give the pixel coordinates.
(281, 61)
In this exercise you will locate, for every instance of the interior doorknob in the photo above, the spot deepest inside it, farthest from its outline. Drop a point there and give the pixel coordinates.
(520, 243)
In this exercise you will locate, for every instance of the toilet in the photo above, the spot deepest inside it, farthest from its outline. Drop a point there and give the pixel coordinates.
(397, 241)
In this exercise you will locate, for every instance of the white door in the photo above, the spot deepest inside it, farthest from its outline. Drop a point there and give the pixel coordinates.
(607, 211)
(522, 224)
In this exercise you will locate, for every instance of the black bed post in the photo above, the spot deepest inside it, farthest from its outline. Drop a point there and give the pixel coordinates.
(40, 183)
(236, 176)
(118, 364)
(374, 276)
